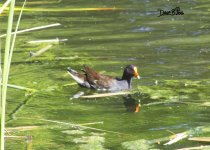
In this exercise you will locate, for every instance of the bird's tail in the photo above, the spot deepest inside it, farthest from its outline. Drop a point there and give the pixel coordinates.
(79, 78)
(71, 70)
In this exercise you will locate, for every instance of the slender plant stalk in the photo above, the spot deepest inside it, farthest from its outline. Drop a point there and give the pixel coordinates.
(41, 51)
(20, 87)
(196, 148)
(11, 51)
(7, 61)
(4, 6)
(16, 137)
(106, 94)
(35, 28)
(83, 126)
(200, 139)
(72, 9)
(14, 37)
(22, 128)
(48, 41)
(5, 71)
(0, 74)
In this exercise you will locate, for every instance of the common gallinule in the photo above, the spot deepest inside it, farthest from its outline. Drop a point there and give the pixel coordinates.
(91, 79)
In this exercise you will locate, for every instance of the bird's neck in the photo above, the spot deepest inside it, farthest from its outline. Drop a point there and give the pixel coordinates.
(128, 79)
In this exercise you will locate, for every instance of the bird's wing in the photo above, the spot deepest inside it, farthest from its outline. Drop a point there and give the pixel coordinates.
(97, 80)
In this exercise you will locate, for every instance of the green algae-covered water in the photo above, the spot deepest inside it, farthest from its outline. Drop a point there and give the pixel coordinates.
(172, 54)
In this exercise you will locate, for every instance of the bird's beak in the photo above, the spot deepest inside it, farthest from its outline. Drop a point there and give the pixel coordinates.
(136, 74)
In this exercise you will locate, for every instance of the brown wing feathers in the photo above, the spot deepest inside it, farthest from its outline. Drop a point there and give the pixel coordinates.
(96, 79)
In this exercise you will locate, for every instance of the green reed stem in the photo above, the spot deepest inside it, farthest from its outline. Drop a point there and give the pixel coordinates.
(34, 28)
(0, 75)
(5, 72)
(4, 6)
(14, 37)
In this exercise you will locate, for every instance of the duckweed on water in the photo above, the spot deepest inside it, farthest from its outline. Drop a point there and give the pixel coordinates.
(175, 53)
(90, 142)
(73, 132)
(176, 89)
(137, 145)
(142, 144)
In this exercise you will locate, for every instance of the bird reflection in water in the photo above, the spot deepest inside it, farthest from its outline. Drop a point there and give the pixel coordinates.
(132, 102)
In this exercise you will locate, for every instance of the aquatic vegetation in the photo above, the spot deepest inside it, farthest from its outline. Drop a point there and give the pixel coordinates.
(170, 89)
(73, 132)
(137, 145)
(90, 142)
(149, 144)
(7, 61)
(172, 55)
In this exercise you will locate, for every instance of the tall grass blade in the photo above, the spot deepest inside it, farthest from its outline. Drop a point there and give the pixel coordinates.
(0, 74)
(14, 38)
(20, 87)
(38, 53)
(80, 126)
(106, 94)
(48, 41)
(7, 61)
(5, 72)
(35, 28)
(30, 9)
(4, 6)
